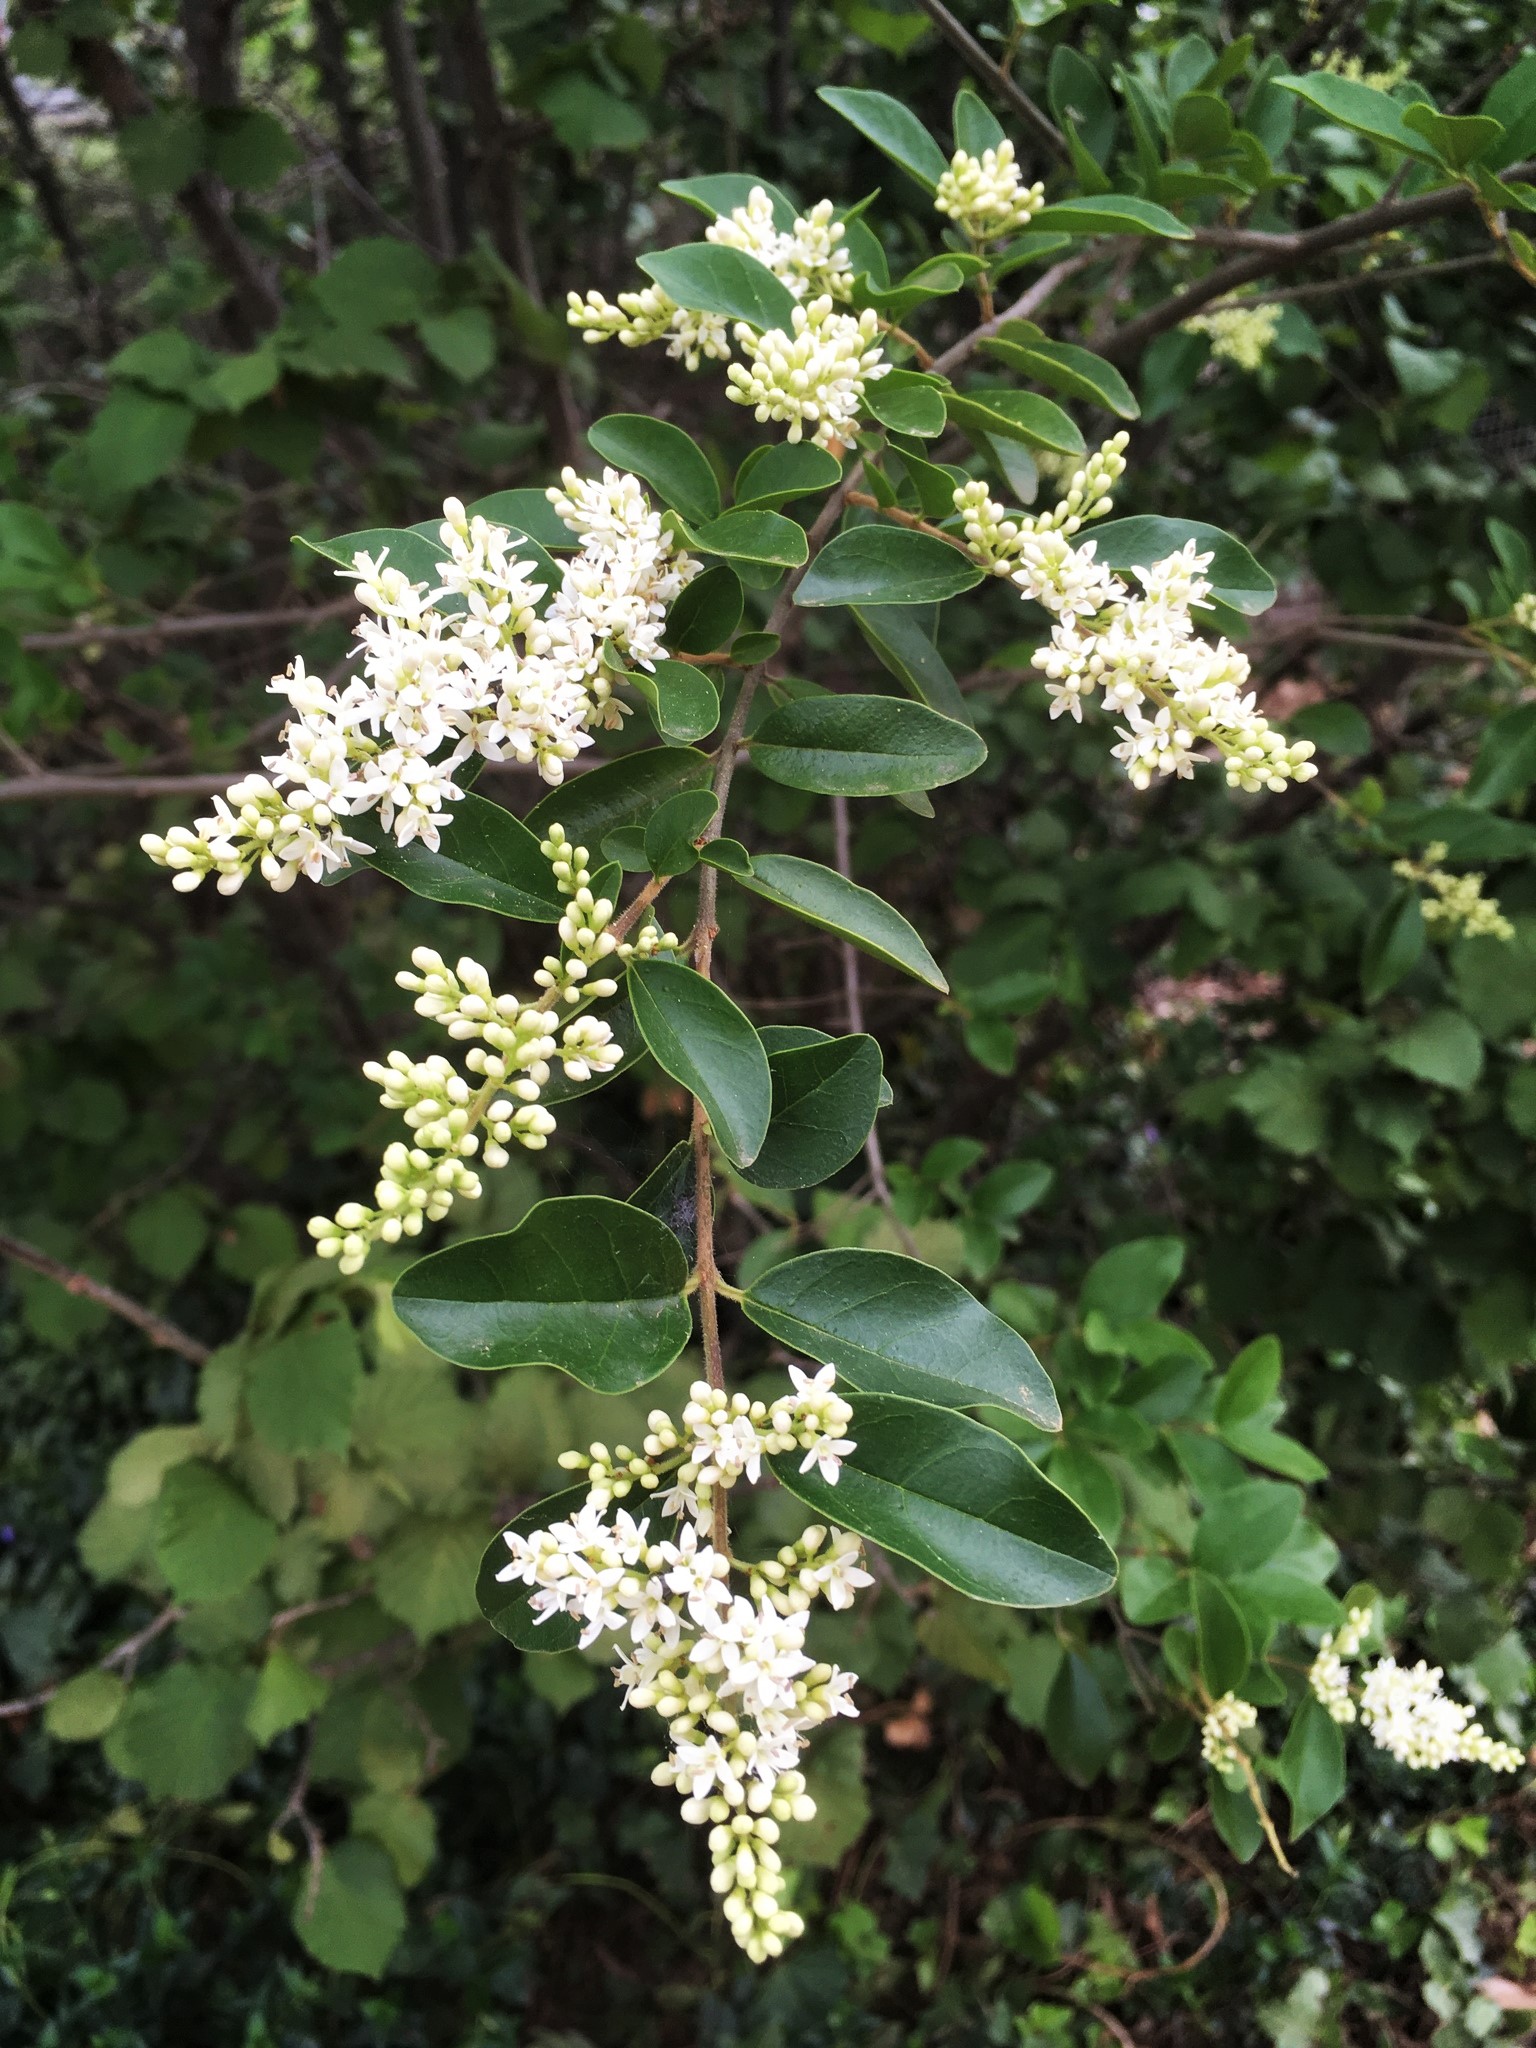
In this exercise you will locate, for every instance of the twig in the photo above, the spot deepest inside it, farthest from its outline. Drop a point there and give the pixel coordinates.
(127, 1652)
(48, 788)
(156, 1328)
(295, 1809)
(200, 626)
(960, 39)
(1368, 280)
(633, 912)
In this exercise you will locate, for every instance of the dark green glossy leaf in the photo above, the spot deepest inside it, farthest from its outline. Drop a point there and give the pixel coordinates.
(756, 536)
(824, 1102)
(1018, 416)
(1078, 1729)
(506, 1604)
(414, 554)
(1235, 577)
(527, 511)
(879, 564)
(1076, 371)
(670, 1192)
(892, 128)
(699, 1037)
(897, 635)
(708, 277)
(621, 792)
(724, 191)
(1353, 104)
(1311, 1767)
(486, 858)
(584, 1283)
(959, 1500)
(1221, 1635)
(1109, 213)
(683, 700)
(672, 464)
(907, 402)
(894, 1325)
(781, 470)
(824, 897)
(864, 746)
(707, 613)
(672, 828)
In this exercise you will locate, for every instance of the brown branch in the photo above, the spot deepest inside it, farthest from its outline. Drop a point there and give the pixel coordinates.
(157, 1328)
(201, 625)
(44, 179)
(296, 1809)
(960, 39)
(423, 145)
(127, 1653)
(1368, 280)
(1286, 252)
(330, 53)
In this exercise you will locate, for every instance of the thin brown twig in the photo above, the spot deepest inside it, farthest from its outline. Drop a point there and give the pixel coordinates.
(201, 625)
(126, 1653)
(159, 1329)
(960, 39)
(295, 1808)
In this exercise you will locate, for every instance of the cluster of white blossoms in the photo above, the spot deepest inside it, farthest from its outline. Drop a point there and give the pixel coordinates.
(985, 196)
(451, 1120)
(1404, 1709)
(478, 663)
(1523, 610)
(808, 259)
(1240, 334)
(818, 373)
(1455, 902)
(1174, 691)
(1225, 1722)
(726, 1670)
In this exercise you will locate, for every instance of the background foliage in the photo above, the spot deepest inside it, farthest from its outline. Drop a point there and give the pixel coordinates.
(1201, 1079)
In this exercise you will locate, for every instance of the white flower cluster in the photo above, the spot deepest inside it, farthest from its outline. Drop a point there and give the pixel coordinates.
(451, 1119)
(472, 665)
(1455, 902)
(727, 1671)
(985, 196)
(1174, 690)
(1404, 1709)
(1523, 611)
(1240, 334)
(807, 258)
(817, 373)
(1225, 1722)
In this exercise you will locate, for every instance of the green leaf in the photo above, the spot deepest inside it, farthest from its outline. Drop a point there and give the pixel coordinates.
(1235, 577)
(424, 1574)
(623, 792)
(1394, 944)
(1202, 125)
(163, 150)
(506, 1603)
(1109, 213)
(1356, 105)
(708, 277)
(671, 463)
(1456, 139)
(463, 341)
(1311, 1768)
(707, 613)
(526, 511)
(359, 1914)
(1078, 1730)
(182, 1733)
(937, 277)
(416, 555)
(824, 1102)
(299, 1391)
(379, 281)
(673, 827)
(287, 1692)
(1245, 1526)
(864, 746)
(898, 637)
(1221, 1635)
(1442, 1047)
(210, 1542)
(486, 859)
(670, 1192)
(893, 1325)
(1335, 728)
(907, 402)
(583, 1283)
(724, 191)
(84, 1708)
(699, 1037)
(994, 409)
(894, 130)
(404, 1825)
(778, 471)
(765, 538)
(886, 565)
(1250, 1382)
(167, 1233)
(1076, 371)
(975, 127)
(135, 440)
(824, 897)
(959, 1500)
(1132, 1280)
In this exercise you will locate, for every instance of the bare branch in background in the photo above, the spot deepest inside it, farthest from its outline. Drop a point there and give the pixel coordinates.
(959, 38)
(423, 145)
(157, 1328)
(335, 73)
(39, 170)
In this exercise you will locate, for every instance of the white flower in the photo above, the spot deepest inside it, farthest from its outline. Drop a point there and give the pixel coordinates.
(1411, 1718)
(985, 196)
(815, 374)
(1223, 1724)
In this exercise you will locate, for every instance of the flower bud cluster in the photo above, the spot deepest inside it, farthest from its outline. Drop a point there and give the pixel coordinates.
(488, 661)
(815, 374)
(1456, 903)
(1523, 611)
(808, 258)
(1226, 1721)
(727, 1672)
(1174, 690)
(728, 1436)
(1329, 1675)
(985, 196)
(1403, 1709)
(1239, 334)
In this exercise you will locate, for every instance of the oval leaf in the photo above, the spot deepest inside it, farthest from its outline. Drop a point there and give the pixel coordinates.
(780, 470)
(767, 538)
(864, 746)
(1235, 577)
(1109, 213)
(699, 1037)
(584, 1283)
(907, 403)
(707, 613)
(619, 793)
(959, 1500)
(894, 130)
(529, 512)
(487, 858)
(823, 897)
(893, 1325)
(886, 565)
(723, 191)
(684, 702)
(1016, 416)
(824, 1102)
(1065, 367)
(671, 464)
(708, 277)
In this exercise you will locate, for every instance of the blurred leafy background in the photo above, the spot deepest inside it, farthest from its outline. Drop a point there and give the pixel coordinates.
(294, 268)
